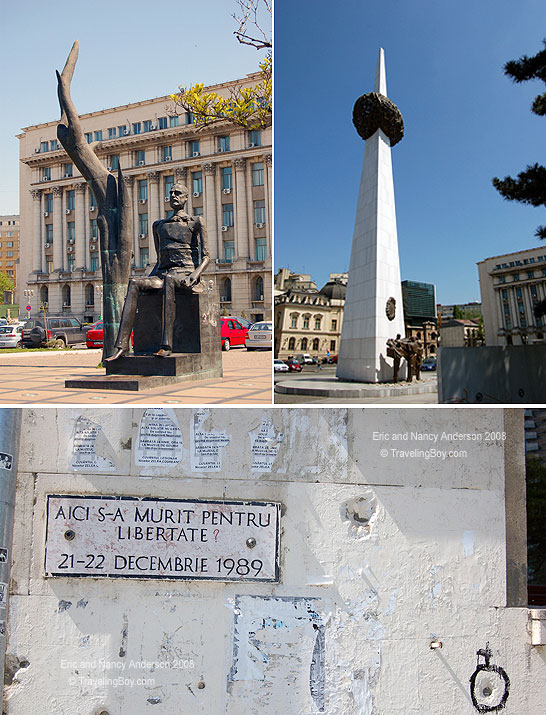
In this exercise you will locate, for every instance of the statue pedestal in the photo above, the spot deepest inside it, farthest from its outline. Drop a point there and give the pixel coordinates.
(196, 346)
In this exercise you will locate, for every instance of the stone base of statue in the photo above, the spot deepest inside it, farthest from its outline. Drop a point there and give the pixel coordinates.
(196, 345)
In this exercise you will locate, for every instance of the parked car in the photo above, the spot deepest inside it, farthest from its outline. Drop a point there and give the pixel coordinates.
(94, 335)
(293, 365)
(37, 332)
(260, 335)
(10, 335)
(280, 366)
(244, 322)
(232, 333)
(304, 359)
(429, 363)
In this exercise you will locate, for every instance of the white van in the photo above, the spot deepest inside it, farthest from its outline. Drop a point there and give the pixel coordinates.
(304, 359)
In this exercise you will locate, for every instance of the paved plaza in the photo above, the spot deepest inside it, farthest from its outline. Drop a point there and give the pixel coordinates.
(38, 378)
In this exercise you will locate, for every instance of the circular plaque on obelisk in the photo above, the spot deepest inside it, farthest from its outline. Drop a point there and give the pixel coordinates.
(374, 111)
(390, 308)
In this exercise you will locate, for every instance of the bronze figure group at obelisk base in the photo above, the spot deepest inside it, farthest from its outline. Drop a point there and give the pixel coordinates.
(172, 313)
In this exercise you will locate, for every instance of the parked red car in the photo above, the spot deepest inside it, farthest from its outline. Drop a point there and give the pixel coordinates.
(232, 333)
(293, 365)
(94, 335)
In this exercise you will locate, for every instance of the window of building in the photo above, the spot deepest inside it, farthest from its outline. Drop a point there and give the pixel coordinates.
(304, 342)
(140, 157)
(169, 183)
(162, 122)
(70, 262)
(261, 249)
(44, 146)
(223, 143)
(502, 279)
(294, 320)
(292, 344)
(49, 265)
(9, 254)
(112, 132)
(259, 288)
(143, 189)
(147, 125)
(226, 295)
(173, 121)
(189, 118)
(9, 244)
(530, 274)
(515, 277)
(49, 203)
(94, 229)
(71, 199)
(318, 319)
(144, 257)
(229, 251)
(47, 173)
(98, 135)
(113, 162)
(92, 199)
(71, 231)
(197, 182)
(137, 127)
(143, 224)
(259, 211)
(167, 153)
(88, 137)
(332, 345)
(54, 144)
(227, 215)
(94, 263)
(334, 324)
(68, 170)
(255, 137)
(89, 294)
(227, 177)
(197, 210)
(122, 130)
(306, 322)
(66, 295)
(49, 233)
(258, 174)
(315, 344)
(194, 148)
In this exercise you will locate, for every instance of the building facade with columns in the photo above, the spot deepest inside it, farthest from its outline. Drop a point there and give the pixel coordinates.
(227, 170)
(511, 285)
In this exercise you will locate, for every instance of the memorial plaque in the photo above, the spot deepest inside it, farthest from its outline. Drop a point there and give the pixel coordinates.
(132, 537)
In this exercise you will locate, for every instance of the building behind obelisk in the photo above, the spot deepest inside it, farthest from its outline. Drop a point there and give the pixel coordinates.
(373, 307)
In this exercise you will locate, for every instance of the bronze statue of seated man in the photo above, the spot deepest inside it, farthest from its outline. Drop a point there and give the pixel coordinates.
(182, 255)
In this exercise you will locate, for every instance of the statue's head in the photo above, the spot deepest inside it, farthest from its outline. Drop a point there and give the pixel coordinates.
(178, 196)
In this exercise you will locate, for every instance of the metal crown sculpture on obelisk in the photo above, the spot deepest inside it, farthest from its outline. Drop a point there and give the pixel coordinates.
(373, 306)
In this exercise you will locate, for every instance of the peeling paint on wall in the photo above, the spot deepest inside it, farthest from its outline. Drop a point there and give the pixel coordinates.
(159, 438)
(91, 451)
(206, 446)
(277, 640)
(265, 443)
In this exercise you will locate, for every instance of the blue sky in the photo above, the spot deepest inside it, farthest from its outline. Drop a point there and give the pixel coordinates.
(129, 51)
(465, 122)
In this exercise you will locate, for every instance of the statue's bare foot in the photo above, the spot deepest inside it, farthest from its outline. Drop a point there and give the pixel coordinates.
(118, 353)
(163, 352)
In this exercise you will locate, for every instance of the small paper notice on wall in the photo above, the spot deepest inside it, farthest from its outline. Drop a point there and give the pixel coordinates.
(159, 439)
(206, 446)
(91, 451)
(265, 445)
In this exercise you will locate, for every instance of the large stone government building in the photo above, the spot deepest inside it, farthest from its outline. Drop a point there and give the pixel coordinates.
(228, 173)
(511, 285)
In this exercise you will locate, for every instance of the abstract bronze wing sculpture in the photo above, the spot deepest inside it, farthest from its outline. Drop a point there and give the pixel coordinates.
(113, 203)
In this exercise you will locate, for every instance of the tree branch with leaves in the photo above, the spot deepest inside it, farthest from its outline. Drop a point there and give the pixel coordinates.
(530, 185)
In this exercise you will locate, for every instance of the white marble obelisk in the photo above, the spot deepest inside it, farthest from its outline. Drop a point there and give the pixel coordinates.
(374, 271)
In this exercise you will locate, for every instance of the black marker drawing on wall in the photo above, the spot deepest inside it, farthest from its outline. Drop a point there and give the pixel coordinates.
(489, 684)
(317, 669)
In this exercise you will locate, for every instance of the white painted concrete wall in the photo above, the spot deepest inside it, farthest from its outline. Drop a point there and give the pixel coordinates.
(380, 555)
